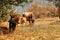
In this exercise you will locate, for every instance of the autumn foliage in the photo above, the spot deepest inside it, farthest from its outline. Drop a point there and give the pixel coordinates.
(40, 11)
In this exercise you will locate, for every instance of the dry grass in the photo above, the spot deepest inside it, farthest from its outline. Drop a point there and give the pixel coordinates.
(41, 30)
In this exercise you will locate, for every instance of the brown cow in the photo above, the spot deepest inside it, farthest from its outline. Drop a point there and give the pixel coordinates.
(16, 17)
(27, 16)
(14, 20)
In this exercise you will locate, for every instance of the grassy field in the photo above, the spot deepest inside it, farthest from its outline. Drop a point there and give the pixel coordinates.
(43, 29)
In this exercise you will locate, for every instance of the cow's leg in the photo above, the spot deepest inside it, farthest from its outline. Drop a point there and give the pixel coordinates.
(10, 27)
(13, 26)
(32, 21)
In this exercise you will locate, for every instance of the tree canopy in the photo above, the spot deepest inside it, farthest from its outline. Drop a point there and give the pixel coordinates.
(6, 7)
(57, 2)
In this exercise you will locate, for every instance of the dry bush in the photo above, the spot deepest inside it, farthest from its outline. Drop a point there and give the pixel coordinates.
(43, 11)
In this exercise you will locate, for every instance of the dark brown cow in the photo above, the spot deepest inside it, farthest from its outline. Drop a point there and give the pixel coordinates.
(27, 16)
(14, 20)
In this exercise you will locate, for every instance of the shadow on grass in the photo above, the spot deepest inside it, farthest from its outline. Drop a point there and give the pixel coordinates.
(4, 30)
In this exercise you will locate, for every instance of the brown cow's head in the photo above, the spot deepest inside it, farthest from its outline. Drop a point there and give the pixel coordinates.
(23, 20)
(16, 17)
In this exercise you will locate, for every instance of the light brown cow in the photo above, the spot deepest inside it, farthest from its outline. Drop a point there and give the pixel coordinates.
(27, 16)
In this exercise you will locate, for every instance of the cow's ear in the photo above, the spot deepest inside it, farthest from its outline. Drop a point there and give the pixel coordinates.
(10, 14)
